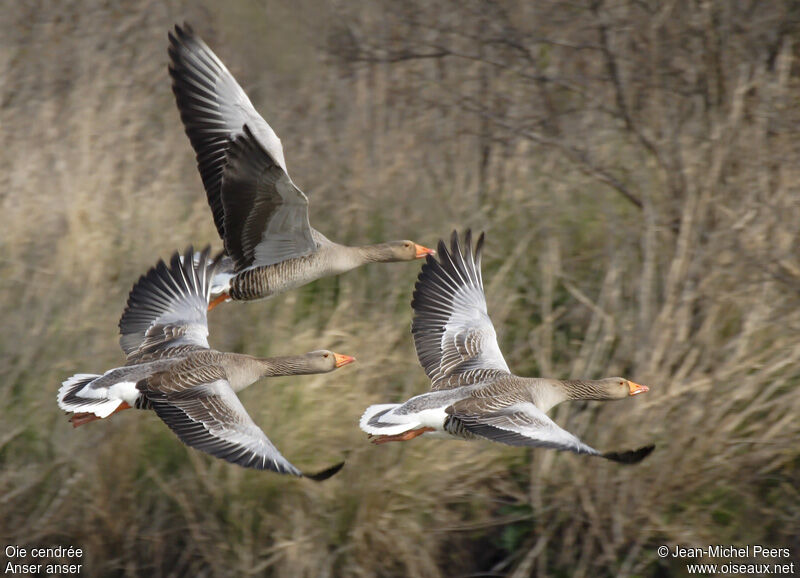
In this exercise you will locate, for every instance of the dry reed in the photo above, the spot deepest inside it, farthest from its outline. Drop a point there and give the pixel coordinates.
(694, 291)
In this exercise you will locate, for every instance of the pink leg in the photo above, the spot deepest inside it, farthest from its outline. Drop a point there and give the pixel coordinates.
(80, 419)
(221, 299)
(403, 437)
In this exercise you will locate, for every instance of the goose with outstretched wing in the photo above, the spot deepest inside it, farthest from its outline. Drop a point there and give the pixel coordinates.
(474, 394)
(260, 214)
(172, 370)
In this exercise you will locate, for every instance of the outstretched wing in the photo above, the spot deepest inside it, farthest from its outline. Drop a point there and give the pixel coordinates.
(514, 422)
(259, 213)
(198, 404)
(167, 307)
(521, 423)
(266, 215)
(455, 340)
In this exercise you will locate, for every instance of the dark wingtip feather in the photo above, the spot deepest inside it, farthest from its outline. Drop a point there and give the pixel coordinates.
(180, 32)
(479, 246)
(468, 247)
(441, 249)
(454, 240)
(630, 457)
(195, 70)
(325, 474)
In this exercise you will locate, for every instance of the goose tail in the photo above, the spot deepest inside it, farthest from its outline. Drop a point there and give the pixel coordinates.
(78, 396)
(380, 420)
(68, 394)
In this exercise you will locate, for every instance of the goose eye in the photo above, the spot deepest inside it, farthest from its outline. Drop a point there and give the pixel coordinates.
(325, 355)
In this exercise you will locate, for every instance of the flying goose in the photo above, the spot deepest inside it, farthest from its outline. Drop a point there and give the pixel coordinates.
(474, 394)
(171, 369)
(260, 214)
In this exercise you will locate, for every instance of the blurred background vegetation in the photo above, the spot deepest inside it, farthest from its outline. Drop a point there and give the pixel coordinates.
(636, 165)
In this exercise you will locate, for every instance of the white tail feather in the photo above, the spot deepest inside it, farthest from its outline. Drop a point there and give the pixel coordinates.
(387, 423)
(73, 385)
(76, 395)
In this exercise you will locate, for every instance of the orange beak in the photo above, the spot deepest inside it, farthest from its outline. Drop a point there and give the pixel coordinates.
(422, 251)
(342, 360)
(636, 388)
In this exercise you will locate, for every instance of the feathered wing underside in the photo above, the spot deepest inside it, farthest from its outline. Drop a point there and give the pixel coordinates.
(265, 214)
(516, 423)
(520, 423)
(205, 413)
(454, 337)
(214, 110)
(167, 307)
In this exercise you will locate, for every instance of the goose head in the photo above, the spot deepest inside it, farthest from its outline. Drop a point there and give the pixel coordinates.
(602, 389)
(323, 361)
(401, 251)
(619, 387)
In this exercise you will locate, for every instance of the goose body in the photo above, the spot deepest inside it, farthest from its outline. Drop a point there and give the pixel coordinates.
(260, 214)
(260, 282)
(172, 370)
(474, 394)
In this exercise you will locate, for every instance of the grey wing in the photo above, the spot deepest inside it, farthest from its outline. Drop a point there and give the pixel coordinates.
(209, 417)
(214, 110)
(265, 214)
(518, 423)
(167, 307)
(454, 337)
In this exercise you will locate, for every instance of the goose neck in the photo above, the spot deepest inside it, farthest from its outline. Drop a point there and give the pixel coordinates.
(583, 389)
(380, 253)
(283, 366)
